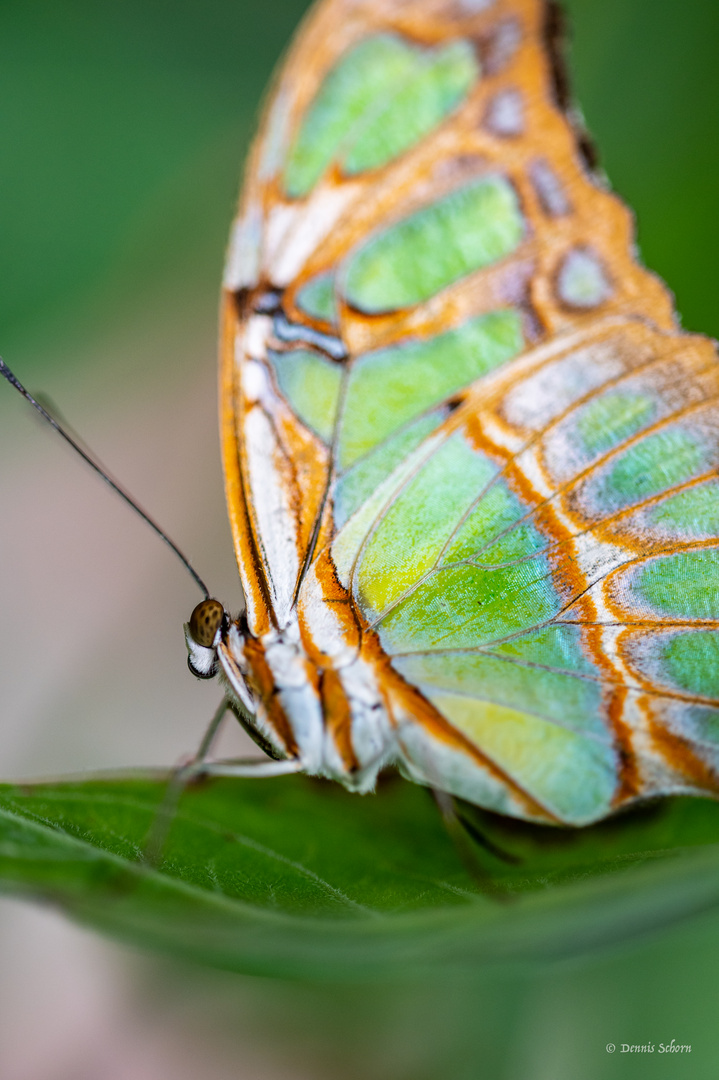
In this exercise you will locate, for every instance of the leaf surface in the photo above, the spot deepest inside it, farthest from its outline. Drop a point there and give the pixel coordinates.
(297, 878)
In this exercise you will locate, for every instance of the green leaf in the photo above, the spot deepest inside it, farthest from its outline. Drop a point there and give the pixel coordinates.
(297, 878)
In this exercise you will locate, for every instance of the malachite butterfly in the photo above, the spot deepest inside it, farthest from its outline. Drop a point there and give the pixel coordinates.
(470, 459)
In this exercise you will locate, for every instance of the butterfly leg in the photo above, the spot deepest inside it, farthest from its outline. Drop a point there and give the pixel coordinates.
(484, 841)
(179, 780)
(465, 840)
(197, 767)
(249, 767)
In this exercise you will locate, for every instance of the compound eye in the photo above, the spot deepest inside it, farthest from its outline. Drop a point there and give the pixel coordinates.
(204, 621)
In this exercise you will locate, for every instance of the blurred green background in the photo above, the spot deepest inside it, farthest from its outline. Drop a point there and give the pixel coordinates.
(124, 129)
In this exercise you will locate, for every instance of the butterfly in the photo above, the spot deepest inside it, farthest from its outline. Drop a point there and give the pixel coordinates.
(470, 460)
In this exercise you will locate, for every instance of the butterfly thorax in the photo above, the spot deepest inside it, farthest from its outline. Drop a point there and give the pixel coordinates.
(300, 703)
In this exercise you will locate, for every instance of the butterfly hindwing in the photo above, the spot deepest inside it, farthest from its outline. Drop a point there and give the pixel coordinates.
(463, 437)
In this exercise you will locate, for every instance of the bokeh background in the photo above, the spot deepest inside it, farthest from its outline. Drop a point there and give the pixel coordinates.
(124, 127)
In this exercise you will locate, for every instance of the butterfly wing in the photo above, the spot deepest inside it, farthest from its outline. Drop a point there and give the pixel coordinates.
(461, 428)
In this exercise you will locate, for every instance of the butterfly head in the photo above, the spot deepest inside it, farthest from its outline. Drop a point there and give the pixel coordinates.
(202, 634)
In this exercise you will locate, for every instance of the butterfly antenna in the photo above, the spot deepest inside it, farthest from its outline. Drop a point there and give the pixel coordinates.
(94, 464)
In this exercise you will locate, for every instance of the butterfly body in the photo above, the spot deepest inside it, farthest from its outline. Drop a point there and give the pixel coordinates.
(470, 460)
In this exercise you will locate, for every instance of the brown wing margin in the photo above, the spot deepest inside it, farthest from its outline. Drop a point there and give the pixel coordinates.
(249, 564)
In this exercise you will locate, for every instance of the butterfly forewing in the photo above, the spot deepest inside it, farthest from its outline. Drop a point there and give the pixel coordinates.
(465, 443)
